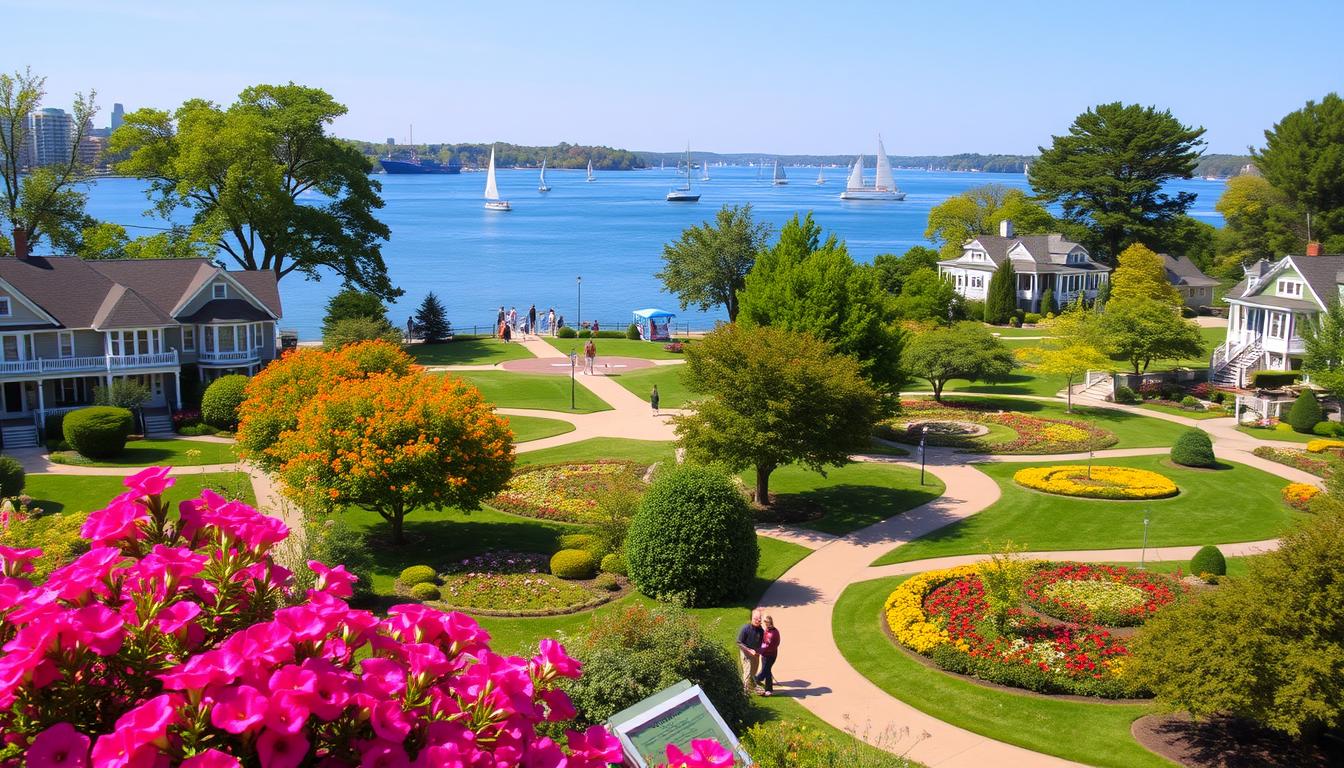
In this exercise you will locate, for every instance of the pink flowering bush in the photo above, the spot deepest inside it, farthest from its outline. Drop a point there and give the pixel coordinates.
(178, 642)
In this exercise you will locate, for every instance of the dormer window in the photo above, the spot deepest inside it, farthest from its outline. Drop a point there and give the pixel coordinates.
(4, 306)
(1289, 288)
(221, 291)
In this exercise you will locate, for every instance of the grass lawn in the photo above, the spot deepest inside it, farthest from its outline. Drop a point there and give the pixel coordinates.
(671, 392)
(85, 493)
(1212, 337)
(1019, 382)
(1132, 430)
(527, 428)
(1285, 435)
(532, 390)
(647, 451)
(1214, 507)
(648, 350)
(1095, 734)
(854, 496)
(1196, 415)
(471, 350)
(1236, 566)
(170, 452)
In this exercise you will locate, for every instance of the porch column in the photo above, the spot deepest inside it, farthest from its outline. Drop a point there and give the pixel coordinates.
(41, 404)
(177, 389)
(1035, 302)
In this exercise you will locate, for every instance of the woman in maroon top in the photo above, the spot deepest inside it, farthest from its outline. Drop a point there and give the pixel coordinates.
(769, 650)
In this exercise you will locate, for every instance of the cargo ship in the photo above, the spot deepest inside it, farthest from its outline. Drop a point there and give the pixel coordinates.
(414, 164)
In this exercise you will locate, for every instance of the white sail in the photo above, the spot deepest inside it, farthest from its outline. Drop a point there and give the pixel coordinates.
(491, 191)
(543, 172)
(779, 177)
(884, 177)
(590, 169)
(704, 170)
(856, 175)
(821, 175)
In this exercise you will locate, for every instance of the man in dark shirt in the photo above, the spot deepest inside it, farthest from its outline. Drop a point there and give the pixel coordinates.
(749, 650)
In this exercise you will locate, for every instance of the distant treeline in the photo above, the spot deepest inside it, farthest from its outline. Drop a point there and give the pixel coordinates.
(1222, 165)
(562, 155)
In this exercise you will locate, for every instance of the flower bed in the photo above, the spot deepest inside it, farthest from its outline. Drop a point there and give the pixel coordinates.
(1299, 495)
(1317, 465)
(1108, 595)
(515, 584)
(1323, 445)
(1032, 434)
(1102, 482)
(943, 615)
(562, 491)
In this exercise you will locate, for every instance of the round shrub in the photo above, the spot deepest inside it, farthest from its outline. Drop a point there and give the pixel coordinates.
(98, 432)
(219, 405)
(11, 477)
(632, 332)
(1126, 396)
(1014, 322)
(418, 574)
(1305, 413)
(692, 540)
(1190, 402)
(615, 563)
(606, 582)
(585, 541)
(1209, 559)
(1031, 318)
(573, 564)
(425, 591)
(1193, 449)
(566, 332)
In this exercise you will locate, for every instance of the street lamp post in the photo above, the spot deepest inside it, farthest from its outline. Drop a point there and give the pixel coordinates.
(923, 436)
(1089, 464)
(573, 358)
(578, 316)
(1144, 552)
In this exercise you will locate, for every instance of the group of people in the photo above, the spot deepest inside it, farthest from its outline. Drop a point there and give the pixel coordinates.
(508, 324)
(758, 647)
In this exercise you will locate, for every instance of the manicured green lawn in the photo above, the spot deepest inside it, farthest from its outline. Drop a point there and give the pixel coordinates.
(470, 350)
(672, 393)
(1132, 430)
(1095, 734)
(1214, 507)
(170, 452)
(85, 493)
(526, 428)
(854, 496)
(647, 451)
(1236, 566)
(648, 350)
(1212, 337)
(1196, 415)
(532, 390)
(1286, 435)
(1019, 382)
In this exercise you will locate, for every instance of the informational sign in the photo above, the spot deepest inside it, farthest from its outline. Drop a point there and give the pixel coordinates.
(672, 716)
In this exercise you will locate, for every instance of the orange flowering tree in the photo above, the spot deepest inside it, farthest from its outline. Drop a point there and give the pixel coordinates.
(275, 396)
(392, 443)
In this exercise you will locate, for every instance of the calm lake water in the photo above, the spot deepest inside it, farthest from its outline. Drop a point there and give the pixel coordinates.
(610, 232)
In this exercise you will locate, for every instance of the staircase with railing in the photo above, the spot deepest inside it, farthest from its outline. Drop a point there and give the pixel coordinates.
(1229, 363)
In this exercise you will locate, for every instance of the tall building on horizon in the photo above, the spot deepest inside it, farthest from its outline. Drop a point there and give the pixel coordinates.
(118, 116)
(50, 133)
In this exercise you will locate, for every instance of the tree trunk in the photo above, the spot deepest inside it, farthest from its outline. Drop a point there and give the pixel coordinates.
(1068, 394)
(763, 484)
(937, 390)
(396, 519)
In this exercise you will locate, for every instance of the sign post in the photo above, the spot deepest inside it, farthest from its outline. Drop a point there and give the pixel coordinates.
(672, 716)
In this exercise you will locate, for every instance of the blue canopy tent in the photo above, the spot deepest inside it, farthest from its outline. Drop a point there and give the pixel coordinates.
(654, 324)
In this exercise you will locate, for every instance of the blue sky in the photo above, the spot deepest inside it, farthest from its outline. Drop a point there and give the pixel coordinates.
(789, 77)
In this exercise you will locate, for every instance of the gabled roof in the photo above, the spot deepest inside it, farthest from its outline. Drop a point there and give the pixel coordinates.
(1182, 271)
(1322, 274)
(1046, 253)
(122, 307)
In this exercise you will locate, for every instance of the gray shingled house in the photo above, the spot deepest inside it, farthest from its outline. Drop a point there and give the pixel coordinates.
(1196, 288)
(1040, 262)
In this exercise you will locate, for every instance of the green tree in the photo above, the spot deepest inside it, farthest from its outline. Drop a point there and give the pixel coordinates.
(352, 330)
(893, 270)
(804, 284)
(1001, 297)
(1303, 158)
(1258, 223)
(41, 202)
(1142, 330)
(243, 172)
(1305, 412)
(964, 351)
(708, 265)
(1194, 239)
(978, 211)
(775, 397)
(1107, 173)
(1324, 341)
(431, 322)
(1141, 274)
(1048, 305)
(353, 303)
(1076, 344)
(926, 296)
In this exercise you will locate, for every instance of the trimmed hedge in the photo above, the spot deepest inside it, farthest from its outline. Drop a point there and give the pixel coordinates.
(1193, 449)
(585, 541)
(98, 432)
(1274, 379)
(11, 477)
(219, 405)
(573, 564)
(1209, 559)
(566, 332)
(632, 332)
(425, 591)
(615, 563)
(1306, 412)
(418, 574)
(1125, 396)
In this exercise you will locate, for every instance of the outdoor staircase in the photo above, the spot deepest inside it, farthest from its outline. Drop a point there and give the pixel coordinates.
(1232, 372)
(1096, 388)
(158, 424)
(18, 436)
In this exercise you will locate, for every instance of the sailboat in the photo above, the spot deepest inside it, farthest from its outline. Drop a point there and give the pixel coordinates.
(492, 201)
(779, 179)
(704, 170)
(821, 176)
(541, 184)
(591, 177)
(884, 186)
(683, 194)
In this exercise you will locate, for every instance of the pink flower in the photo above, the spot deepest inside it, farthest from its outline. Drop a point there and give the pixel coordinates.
(383, 678)
(176, 616)
(383, 754)
(151, 481)
(389, 721)
(213, 668)
(116, 522)
(558, 706)
(598, 745)
(16, 561)
(98, 628)
(239, 709)
(338, 581)
(86, 574)
(551, 657)
(211, 758)
(59, 746)
(705, 753)
(281, 750)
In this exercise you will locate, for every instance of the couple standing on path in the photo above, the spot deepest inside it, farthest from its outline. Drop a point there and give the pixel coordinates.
(757, 648)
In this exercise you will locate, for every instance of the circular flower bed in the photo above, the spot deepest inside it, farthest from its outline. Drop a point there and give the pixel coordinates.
(1100, 482)
(944, 615)
(1032, 434)
(1112, 596)
(1299, 495)
(563, 491)
(514, 584)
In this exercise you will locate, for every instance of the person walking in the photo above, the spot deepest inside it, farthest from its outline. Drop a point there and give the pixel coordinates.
(532, 320)
(749, 639)
(769, 651)
(589, 353)
(505, 332)
(653, 399)
(499, 321)
(550, 320)
(513, 319)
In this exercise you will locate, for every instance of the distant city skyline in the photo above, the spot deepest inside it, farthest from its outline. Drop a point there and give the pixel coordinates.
(773, 78)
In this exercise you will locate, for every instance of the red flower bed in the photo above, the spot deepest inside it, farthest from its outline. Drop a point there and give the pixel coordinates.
(1153, 593)
(1034, 434)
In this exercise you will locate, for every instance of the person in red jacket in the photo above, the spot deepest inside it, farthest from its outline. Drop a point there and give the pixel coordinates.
(768, 652)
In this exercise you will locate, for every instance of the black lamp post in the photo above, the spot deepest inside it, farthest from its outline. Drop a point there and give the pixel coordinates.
(573, 358)
(578, 320)
(1144, 552)
(923, 436)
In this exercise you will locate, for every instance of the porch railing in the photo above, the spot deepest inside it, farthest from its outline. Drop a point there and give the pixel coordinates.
(245, 356)
(120, 362)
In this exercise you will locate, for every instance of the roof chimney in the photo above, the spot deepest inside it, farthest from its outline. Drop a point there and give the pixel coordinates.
(1006, 228)
(21, 243)
(1314, 248)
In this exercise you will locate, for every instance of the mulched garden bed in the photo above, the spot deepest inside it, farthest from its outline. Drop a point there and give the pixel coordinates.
(516, 584)
(1034, 435)
(1224, 742)
(564, 492)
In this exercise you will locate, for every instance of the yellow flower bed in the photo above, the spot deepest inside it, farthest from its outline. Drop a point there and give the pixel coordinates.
(905, 609)
(1065, 433)
(1318, 446)
(1299, 495)
(1104, 483)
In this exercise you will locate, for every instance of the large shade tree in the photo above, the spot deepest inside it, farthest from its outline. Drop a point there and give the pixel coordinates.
(978, 211)
(1108, 173)
(708, 264)
(1303, 158)
(1142, 329)
(1141, 273)
(963, 351)
(774, 397)
(1324, 341)
(264, 182)
(1075, 343)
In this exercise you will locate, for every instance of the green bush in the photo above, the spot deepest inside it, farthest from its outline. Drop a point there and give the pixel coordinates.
(606, 582)
(566, 332)
(632, 332)
(585, 541)
(1189, 401)
(53, 426)
(1193, 449)
(1031, 318)
(425, 591)
(1325, 429)
(1305, 413)
(196, 430)
(615, 563)
(573, 564)
(1125, 395)
(352, 330)
(418, 574)
(331, 540)
(219, 405)
(98, 432)
(630, 654)
(1209, 559)
(57, 535)
(1274, 379)
(692, 540)
(611, 334)
(792, 744)
(1013, 322)
(11, 477)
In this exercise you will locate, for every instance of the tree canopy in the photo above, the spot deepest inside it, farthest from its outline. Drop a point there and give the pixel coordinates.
(351, 303)
(978, 211)
(1303, 158)
(1143, 329)
(1001, 296)
(708, 265)
(966, 350)
(1075, 344)
(431, 321)
(893, 270)
(1107, 173)
(775, 397)
(926, 296)
(1324, 341)
(1141, 273)
(1258, 223)
(264, 182)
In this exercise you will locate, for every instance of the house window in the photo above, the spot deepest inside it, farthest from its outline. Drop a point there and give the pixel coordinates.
(977, 281)
(65, 343)
(1289, 288)
(10, 349)
(69, 391)
(4, 306)
(189, 338)
(1276, 325)
(221, 291)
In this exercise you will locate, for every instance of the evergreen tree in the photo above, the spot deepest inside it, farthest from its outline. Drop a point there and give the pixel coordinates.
(1048, 301)
(1305, 413)
(1104, 293)
(430, 322)
(353, 303)
(1001, 300)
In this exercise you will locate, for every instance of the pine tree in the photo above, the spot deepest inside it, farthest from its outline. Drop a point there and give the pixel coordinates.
(1048, 301)
(1001, 299)
(430, 321)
